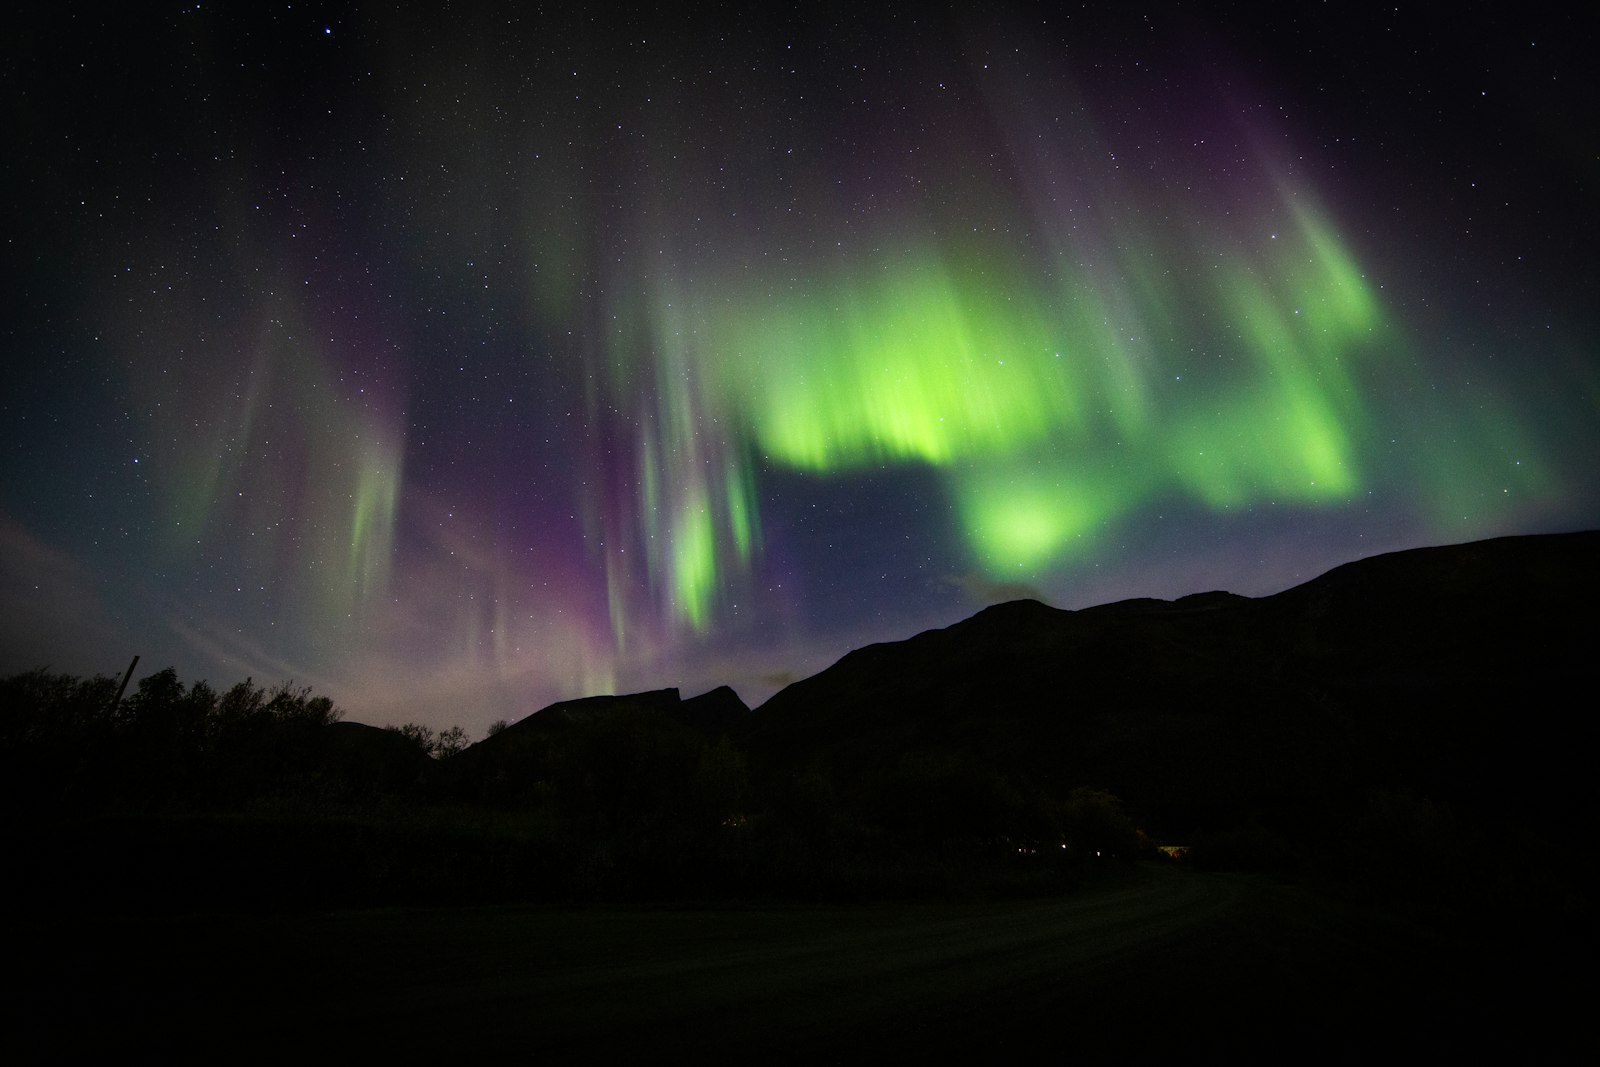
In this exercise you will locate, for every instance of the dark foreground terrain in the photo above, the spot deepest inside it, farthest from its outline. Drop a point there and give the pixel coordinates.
(1155, 962)
(898, 856)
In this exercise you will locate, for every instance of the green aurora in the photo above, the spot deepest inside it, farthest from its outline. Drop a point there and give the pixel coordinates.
(449, 362)
(1053, 403)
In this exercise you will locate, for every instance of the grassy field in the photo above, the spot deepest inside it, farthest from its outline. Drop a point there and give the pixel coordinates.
(1155, 962)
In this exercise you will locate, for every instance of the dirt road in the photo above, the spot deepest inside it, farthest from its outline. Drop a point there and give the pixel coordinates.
(1162, 962)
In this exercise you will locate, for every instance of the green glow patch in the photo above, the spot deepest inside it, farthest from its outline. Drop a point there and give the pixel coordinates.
(899, 361)
(694, 567)
(1025, 518)
(372, 522)
(952, 357)
(1056, 395)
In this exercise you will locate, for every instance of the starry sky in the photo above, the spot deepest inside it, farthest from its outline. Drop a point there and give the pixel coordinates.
(454, 359)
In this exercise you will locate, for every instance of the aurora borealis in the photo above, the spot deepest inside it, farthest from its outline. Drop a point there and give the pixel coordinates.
(458, 362)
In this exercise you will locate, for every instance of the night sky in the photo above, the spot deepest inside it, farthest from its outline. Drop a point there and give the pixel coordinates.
(453, 363)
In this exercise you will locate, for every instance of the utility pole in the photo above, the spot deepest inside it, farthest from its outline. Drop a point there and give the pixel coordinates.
(123, 687)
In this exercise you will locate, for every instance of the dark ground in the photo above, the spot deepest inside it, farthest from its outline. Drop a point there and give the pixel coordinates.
(1157, 962)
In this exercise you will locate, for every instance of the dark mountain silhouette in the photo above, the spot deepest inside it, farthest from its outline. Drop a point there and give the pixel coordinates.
(713, 714)
(1455, 673)
(1406, 690)
(372, 759)
(606, 754)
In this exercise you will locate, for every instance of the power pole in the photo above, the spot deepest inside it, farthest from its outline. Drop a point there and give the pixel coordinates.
(123, 687)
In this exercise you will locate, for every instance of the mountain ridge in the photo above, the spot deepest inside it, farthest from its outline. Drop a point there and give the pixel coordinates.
(1340, 677)
(1401, 671)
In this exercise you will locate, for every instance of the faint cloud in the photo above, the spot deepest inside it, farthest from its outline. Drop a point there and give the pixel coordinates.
(219, 644)
(981, 590)
(51, 606)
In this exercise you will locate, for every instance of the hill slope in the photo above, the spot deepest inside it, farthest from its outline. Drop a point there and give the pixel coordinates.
(1443, 672)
